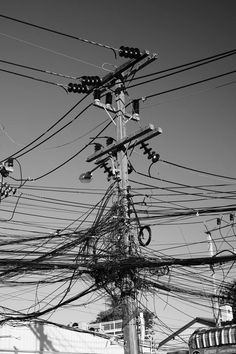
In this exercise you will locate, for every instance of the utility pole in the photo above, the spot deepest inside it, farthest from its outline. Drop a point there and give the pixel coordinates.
(127, 295)
(215, 302)
(118, 151)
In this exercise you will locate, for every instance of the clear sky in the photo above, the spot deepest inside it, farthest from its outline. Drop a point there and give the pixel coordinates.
(198, 122)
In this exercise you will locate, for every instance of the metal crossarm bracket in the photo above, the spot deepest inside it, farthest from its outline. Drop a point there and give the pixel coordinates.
(112, 110)
(149, 131)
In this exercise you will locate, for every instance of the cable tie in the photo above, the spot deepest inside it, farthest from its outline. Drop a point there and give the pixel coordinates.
(112, 65)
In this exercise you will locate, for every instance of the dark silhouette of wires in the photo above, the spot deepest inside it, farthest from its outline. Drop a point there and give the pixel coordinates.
(185, 186)
(38, 70)
(59, 33)
(73, 156)
(187, 85)
(186, 66)
(34, 78)
(20, 153)
(198, 171)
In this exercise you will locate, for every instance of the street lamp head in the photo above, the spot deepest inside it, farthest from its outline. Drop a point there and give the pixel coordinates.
(86, 177)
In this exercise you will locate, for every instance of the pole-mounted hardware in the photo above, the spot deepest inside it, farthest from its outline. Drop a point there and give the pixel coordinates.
(129, 52)
(6, 167)
(144, 133)
(152, 155)
(143, 238)
(7, 190)
(113, 159)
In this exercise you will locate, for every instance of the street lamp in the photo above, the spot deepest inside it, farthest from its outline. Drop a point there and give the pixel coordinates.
(86, 177)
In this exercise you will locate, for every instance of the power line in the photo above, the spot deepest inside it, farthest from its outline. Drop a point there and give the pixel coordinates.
(53, 134)
(73, 156)
(79, 137)
(199, 211)
(47, 131)
(34, 78)
(59, 33)
(64, 189)
(185, 186)
(188, 85)
(198, 171)
(192, 65)
(38, 70)
(36, 314)
(50, 50)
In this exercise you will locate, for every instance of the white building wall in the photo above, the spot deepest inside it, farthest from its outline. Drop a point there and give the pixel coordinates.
(39, 338)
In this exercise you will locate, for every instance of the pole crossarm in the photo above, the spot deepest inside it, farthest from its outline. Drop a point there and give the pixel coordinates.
(112, 110)
(149, 60)
(147, 133)
(109, 78)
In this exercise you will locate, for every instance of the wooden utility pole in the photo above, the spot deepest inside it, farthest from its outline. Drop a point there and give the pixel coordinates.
(127, 296)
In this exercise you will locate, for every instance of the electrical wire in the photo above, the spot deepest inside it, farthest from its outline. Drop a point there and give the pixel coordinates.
(50, 50)
(16, 154)
(63, 190)
(59, 33)
(81, 136)
(36, 314)
(53, 134)
(190, 65)
(73, 156)
(38, 70)
(34, 78)
(95, 252)
(198, 171)
(187, 85)
(183, 185)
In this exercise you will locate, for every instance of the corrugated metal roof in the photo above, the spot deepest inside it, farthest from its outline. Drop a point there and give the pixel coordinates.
(213, 337)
